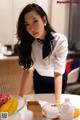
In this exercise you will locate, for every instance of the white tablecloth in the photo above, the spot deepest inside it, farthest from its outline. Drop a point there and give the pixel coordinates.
(75, 99)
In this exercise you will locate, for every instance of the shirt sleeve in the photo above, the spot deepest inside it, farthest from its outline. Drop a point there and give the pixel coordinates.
(60, 54)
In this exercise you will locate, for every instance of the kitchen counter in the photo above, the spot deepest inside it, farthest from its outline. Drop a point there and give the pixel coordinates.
(2, 57)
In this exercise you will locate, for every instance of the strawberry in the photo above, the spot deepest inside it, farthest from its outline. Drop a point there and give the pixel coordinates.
(3, 98)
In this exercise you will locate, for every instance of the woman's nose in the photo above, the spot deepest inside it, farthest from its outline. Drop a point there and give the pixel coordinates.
(32, 27)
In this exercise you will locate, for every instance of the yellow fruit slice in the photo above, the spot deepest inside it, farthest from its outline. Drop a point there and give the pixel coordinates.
(10, 106)
(6, 106)
(76, 112)
(13, 107)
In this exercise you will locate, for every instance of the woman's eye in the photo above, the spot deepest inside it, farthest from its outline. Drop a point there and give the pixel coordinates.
(35, 21)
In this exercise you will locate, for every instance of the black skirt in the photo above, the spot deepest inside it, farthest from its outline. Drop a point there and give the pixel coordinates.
(43, 84)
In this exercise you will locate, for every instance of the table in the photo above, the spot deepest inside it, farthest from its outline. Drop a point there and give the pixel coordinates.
(33, 105)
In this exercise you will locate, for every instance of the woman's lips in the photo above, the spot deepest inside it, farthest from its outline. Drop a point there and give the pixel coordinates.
(35, 33)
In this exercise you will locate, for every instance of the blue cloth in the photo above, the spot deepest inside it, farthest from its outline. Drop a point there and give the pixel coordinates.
(75, 64)
(48, 45)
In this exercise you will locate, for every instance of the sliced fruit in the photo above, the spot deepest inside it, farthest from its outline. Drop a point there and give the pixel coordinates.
(3, 98)
(10, 106)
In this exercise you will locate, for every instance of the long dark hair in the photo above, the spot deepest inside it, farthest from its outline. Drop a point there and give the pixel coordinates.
(24, 38)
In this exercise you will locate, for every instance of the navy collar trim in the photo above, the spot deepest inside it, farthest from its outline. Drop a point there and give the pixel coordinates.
(48, 45)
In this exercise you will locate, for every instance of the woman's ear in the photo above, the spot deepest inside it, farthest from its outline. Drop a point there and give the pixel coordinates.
(44, 21)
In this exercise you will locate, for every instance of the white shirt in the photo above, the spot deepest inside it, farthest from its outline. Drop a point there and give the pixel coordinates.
(56, 61)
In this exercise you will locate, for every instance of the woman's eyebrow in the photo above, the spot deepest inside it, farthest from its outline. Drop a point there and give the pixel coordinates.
(34, 18)
(26, 22)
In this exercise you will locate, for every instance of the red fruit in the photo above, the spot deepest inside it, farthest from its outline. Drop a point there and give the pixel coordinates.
(3, 98)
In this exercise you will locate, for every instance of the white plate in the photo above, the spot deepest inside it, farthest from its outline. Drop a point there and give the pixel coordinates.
(21, 104)
(44, 103)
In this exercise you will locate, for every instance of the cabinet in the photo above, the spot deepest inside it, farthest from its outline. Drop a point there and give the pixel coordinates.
(10, 75)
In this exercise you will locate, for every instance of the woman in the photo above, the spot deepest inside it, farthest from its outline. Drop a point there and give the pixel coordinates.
(42, 49)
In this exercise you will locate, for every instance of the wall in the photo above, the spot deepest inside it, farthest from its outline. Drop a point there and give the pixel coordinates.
(60, 17)
(5, 21)
(9, 11)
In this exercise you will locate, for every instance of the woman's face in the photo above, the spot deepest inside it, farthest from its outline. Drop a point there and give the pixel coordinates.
(35, 25)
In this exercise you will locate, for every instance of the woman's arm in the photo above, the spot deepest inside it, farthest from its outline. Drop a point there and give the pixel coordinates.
(58, 87)
(60, 57)
(26, 82)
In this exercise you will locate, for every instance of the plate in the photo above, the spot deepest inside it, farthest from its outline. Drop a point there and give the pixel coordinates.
(21, 105)
(46, 105)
